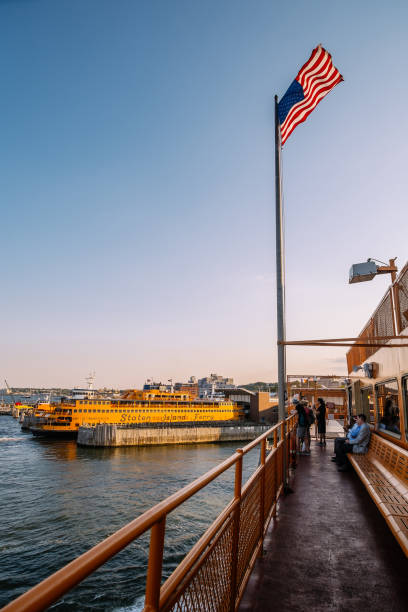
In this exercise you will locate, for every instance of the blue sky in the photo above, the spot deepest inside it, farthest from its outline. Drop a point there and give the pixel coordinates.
(137, 184)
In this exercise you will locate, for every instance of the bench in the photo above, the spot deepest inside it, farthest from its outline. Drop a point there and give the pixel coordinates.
(384, 472)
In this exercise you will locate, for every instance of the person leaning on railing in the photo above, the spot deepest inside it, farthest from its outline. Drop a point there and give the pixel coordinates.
(357, 444)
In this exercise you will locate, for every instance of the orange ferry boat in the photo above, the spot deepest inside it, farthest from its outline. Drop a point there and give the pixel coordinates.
(134, 407)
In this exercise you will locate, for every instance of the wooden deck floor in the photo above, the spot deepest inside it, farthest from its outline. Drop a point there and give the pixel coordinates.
(328, 549)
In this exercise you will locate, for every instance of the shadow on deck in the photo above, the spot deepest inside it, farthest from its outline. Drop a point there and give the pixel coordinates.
(328, 549)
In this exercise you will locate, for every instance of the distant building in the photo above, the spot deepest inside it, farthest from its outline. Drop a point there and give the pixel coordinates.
(150, 384)
(190, 387)
(258, 406)
(214, 385)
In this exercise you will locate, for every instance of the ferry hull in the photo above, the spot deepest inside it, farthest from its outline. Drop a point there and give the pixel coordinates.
(54, 433)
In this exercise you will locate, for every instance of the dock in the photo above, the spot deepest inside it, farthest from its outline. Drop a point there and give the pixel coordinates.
(329, 547)
(151, 434)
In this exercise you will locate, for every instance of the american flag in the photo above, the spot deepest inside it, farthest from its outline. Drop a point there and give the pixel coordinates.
(314, 80)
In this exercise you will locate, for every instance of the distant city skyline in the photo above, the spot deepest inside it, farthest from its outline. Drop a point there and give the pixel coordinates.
(137, 190)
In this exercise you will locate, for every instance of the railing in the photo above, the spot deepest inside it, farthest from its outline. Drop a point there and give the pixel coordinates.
(390, 318)
(401, 299)
(215, 572)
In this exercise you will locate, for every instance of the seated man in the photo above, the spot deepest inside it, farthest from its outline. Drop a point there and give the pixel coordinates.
(357, 445)
(352, 433)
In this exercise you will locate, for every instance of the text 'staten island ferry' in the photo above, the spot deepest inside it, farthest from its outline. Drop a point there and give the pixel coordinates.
(134, 407)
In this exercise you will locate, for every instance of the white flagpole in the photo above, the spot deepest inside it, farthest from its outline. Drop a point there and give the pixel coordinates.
(280, 283)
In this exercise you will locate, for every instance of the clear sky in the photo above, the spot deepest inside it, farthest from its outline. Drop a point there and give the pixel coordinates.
(137, 184)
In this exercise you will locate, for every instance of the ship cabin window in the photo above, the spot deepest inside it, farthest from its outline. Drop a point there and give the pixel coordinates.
(388, 410)
(367, 403)
(405, 399)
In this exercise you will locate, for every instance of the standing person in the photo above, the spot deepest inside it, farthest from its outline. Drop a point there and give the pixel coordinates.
(301, 426)
(315, 421)
(321, 421)
(310, 420)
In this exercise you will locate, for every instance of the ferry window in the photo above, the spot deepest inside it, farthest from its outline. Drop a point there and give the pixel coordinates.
(367, 403)
(387, 407)
(405, 398)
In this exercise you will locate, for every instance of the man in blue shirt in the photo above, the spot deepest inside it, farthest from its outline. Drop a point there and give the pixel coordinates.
(352, 433)
(357, 444)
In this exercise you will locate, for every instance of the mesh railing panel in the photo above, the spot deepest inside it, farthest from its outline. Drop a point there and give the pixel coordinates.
(383, 320)
(381, 324)
(250, 526)
(402, 289)
(270, 483)
(208, 585)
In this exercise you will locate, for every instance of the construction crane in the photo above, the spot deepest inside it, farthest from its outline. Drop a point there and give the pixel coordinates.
(8, 390)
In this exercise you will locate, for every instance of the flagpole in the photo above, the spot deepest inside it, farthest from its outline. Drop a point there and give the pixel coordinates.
(280, 285)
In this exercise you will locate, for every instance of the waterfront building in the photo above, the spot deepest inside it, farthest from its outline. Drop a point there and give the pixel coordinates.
(258, 406)
(190, 387)
(214, 385)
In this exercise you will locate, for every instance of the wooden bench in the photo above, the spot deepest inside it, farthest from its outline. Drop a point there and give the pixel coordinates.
(384, 472)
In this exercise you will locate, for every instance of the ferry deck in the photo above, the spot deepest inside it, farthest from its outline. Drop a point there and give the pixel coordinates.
(329, 548)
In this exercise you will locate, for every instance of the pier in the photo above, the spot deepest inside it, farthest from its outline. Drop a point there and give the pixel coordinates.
(149, 435)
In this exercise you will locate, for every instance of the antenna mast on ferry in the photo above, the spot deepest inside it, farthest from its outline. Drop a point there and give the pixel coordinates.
(90, 380)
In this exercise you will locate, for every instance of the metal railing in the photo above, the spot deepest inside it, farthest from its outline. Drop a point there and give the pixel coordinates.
(214, 573)
(401, 299)
(390, 318)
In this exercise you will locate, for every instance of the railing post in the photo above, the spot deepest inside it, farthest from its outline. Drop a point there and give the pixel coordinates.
(154, 570)
(284, 452)
(262, 495)
(396, 308)
(235, 535)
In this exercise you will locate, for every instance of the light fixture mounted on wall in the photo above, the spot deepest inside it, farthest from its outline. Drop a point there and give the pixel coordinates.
(368, 269)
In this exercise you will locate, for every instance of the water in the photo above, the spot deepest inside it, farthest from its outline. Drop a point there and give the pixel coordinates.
(58, 500)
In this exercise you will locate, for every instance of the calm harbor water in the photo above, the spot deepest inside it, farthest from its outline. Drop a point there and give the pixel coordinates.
(58, 500)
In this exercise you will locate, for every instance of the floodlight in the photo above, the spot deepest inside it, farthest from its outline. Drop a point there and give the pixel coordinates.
(362, 272)
(366, 271)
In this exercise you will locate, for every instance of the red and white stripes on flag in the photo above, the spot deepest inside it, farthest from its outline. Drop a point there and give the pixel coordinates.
(315, 79)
